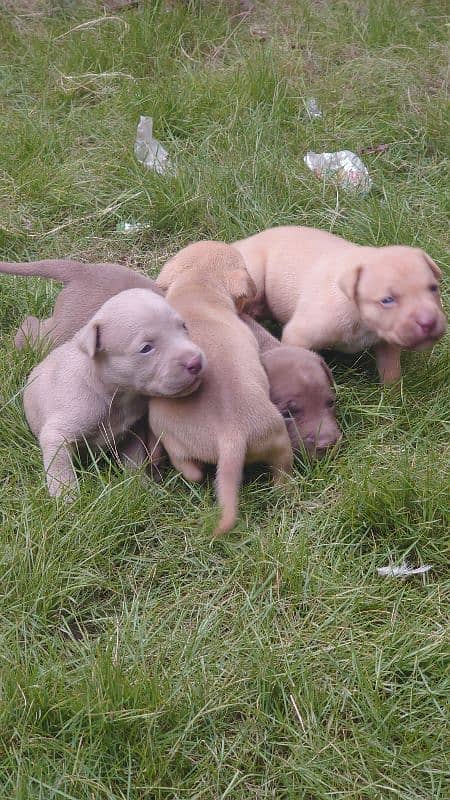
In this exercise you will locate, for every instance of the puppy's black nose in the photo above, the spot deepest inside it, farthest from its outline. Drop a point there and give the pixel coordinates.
(194, 365)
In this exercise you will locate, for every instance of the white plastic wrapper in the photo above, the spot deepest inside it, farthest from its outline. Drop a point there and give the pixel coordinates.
(403, 570)
(345, 167)
(312, 108)
(130, 227)
(149, 151)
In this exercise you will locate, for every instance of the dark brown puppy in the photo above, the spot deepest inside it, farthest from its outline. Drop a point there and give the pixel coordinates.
(301, 387)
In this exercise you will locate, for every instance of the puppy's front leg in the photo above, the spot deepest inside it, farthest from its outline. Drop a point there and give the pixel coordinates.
(133, 452)
(387, 357)
(57, 462)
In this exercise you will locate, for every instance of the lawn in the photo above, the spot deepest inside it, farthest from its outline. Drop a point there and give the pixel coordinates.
(138, 658)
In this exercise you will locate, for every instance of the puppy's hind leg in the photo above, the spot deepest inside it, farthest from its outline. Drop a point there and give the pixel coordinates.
(28, 333)
(58, 465)
(228, 480)
(189, 469)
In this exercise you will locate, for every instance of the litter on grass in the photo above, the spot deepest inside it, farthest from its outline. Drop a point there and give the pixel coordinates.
(345, 167)
(149, 151)
(403, 571)
(130, 227)
(312, 108)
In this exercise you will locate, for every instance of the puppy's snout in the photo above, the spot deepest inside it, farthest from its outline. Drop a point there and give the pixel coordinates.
(194, 365)
(323, 442)
(427, 322)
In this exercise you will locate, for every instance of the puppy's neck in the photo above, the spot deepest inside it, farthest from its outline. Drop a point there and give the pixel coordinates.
(187, 292)
(97, 380)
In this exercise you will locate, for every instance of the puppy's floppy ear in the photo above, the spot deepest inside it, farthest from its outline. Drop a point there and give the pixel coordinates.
(348, 282)
(434, 267)
(241, 287)
(89, 340)
(327, 371)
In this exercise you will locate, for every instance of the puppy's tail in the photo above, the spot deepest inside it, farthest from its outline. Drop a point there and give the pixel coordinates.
(63, 270)
(230, 466)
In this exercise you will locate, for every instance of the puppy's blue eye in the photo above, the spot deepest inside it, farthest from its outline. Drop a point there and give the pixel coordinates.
(387, 301)
(147, 348)
(434, 288)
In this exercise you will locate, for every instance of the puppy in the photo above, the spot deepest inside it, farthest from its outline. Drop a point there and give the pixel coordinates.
(231, 420)
(301, 387)
(96, 386)
(86, 288)
(331, 293)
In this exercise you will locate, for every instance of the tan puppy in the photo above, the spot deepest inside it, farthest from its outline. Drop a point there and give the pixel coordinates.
(301, 387)
(331, 293)
(86, 288)
(96, 386)
(231, 421)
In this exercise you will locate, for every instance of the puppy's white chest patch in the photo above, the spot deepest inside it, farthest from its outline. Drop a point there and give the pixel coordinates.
(361, 338)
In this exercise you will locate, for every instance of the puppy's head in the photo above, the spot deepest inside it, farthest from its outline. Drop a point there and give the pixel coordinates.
(212, 265)
(301, 387)
(139, 343)
(396, 290)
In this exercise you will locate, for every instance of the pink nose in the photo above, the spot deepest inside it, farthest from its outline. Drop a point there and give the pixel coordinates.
(323, 442)
(194, 365)
(426, 322)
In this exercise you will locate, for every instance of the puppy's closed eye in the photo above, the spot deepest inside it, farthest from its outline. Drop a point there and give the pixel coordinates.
(290, 410)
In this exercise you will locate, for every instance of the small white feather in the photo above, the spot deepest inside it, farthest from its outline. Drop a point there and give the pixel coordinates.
(403, 571)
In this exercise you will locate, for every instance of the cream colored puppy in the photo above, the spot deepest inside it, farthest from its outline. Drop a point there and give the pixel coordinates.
(331, 293)
(96, 386)
(230, 421)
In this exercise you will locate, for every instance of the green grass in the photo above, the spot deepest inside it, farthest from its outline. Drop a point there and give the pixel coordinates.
(138, 659)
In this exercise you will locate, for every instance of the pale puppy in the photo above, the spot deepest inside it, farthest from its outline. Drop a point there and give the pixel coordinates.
(96, 386)
(330, 293)
(230, 421)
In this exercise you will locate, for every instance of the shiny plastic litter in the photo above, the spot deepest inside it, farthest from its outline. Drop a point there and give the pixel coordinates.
(345, 167)
(149, 151)
(312, 108)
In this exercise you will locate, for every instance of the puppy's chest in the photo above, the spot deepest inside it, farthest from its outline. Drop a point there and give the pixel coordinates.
(357, 338)
(119, 416)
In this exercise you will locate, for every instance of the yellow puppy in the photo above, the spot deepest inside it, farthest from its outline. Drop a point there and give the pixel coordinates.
(331, 293)
(230, 420)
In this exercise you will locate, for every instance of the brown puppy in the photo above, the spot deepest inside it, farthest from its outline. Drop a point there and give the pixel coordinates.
(231, 421)
(331, 293)
(86, 288)
(301, 387)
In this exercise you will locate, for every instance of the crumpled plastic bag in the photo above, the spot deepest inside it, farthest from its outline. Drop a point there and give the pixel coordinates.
(345, 167)
(149, 151)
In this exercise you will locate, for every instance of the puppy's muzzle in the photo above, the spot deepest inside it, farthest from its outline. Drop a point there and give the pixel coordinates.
(318, 446)
(428, 328)
(195, 365)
